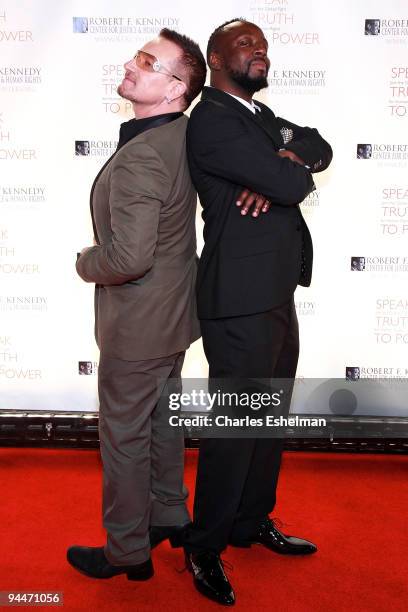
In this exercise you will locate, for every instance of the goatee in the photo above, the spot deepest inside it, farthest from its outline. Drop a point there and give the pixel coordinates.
(249, 84)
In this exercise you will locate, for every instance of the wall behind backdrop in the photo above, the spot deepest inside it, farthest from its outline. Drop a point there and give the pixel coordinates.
(339, 66)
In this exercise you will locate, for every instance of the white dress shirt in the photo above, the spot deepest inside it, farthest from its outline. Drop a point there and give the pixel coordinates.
(250, 105)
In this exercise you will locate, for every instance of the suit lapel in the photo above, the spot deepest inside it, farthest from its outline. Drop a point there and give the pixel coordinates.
(268, 123)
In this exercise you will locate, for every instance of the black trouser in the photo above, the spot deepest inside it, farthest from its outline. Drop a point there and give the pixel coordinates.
(237, 478)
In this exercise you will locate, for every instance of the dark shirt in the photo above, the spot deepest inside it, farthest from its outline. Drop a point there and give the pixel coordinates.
(134, 127)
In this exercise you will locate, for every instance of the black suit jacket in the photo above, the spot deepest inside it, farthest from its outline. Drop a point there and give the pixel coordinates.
(250, 265)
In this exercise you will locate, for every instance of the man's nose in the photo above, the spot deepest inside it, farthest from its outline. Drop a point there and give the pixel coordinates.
(130, 64)
(260, 50)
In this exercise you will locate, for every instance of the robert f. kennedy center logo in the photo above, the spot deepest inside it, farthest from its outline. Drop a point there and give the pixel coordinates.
(382, 151)
(386, 27)
(379, 263)
(372, 27)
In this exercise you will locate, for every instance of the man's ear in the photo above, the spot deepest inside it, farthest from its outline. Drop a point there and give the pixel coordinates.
(177, 90)
(215, 61)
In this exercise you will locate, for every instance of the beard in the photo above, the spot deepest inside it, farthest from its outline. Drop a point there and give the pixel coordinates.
(248, 83)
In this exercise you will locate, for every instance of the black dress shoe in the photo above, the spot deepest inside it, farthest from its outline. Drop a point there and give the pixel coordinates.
(270, 536)
(92, 562)
(209, 577)
(174, 534)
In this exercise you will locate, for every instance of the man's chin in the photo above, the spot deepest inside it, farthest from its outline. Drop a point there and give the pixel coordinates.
(259, 83)
(250, 84)
(121, 90)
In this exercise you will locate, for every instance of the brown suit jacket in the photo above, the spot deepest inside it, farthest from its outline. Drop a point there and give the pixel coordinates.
(145, 262)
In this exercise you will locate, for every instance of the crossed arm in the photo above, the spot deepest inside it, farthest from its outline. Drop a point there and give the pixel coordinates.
(223, 145)
(249, 199)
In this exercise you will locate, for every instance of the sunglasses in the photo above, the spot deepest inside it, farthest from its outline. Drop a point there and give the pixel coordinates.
(150, 63)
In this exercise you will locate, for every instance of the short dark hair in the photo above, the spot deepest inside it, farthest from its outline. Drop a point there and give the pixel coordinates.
(192, 60)
(213, 38)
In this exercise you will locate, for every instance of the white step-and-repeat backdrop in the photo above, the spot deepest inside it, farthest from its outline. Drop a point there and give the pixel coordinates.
(339, 66)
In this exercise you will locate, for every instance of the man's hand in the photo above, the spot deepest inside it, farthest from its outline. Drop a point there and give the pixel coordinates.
(248, 198)
(259, 202)
(291, 155)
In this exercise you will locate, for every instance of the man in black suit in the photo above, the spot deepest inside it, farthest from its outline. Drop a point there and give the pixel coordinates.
(241, 154)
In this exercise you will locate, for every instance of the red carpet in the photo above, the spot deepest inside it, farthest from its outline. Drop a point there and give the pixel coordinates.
(354, 507)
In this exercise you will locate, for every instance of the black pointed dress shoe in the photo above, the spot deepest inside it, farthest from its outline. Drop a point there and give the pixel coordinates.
(92, 562)
(209, 577)
(175, 534)
(270, 536)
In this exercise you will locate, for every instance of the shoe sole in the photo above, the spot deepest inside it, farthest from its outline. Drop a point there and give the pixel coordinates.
(279, 552)
(139, 576)
(201, 590)
(208, 596)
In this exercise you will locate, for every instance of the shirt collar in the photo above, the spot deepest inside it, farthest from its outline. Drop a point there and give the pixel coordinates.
(250, 105)
(134, 127)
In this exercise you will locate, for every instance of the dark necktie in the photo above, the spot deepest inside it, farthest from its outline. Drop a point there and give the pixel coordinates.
(258, 115)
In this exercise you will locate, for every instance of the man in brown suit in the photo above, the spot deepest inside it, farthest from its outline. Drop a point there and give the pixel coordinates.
(144, 266)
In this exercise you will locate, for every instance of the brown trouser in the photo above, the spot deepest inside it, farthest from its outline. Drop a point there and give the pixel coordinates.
(142, 455)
